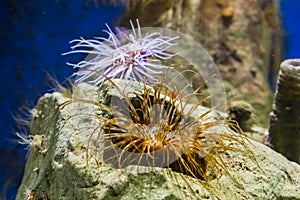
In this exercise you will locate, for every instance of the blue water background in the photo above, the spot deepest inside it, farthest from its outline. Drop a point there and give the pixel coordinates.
(33, 35)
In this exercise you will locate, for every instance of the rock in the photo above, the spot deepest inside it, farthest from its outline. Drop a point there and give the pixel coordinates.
(284, 124)
(70, 166)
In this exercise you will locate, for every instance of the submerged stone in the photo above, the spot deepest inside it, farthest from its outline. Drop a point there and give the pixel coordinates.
(72, 167)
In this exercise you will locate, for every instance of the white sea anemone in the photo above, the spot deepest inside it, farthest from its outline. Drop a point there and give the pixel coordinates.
(128, 55)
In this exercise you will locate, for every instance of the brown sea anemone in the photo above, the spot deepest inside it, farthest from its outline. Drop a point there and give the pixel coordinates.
(143, 126)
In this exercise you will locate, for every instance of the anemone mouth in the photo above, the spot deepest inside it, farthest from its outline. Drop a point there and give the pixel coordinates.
(149, 110)
(137, 144)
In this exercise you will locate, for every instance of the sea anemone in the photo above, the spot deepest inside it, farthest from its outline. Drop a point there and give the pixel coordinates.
(155, 130)
(31, 140)
(128, 55)
(148, 127)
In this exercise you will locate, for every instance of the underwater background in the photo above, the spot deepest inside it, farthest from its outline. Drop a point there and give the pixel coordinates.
(33, 36)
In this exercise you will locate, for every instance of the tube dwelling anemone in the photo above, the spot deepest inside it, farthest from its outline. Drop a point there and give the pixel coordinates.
(155, 130)
(128, 55)
(145, 127)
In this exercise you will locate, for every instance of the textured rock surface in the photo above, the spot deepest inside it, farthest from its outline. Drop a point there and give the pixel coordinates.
(284, 124)
(59, 167)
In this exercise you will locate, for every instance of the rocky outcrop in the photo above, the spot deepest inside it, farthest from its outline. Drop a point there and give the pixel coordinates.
(67, 162)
